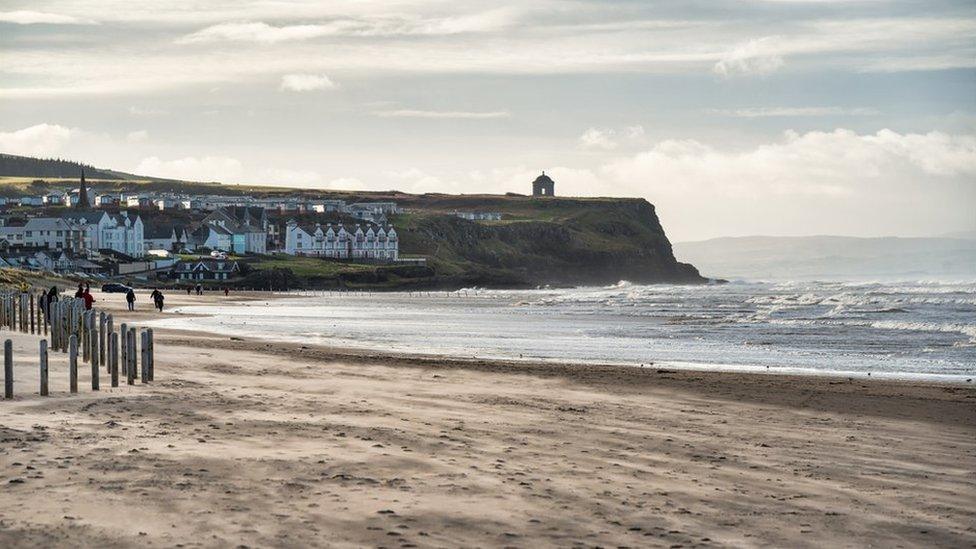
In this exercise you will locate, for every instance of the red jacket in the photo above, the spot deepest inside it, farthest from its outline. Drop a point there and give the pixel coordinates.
(88, 300)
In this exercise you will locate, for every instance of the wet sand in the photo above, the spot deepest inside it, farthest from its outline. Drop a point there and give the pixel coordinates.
(270, 444)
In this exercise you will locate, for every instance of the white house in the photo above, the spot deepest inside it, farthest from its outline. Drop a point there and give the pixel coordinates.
(207, 269)
(32, 201)
(122, 232)
(376, 242)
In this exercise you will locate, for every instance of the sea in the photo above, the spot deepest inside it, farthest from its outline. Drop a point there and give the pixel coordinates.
(904, 330)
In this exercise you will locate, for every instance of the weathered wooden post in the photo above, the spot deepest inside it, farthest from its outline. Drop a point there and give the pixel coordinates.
(94, 376)
(8, 369)
(101, 338)
(85, 336)
(123, 343)
(43, 361)
(130, 365)
(144, 372)
(152, 355)
(93, 340)
(73, 363)
(32, 312)
(63, 319)
(113, 357)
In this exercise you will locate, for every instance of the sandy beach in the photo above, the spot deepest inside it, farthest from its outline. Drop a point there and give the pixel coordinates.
(254, 443)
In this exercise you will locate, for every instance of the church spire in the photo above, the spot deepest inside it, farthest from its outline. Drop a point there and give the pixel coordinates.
(83, 193)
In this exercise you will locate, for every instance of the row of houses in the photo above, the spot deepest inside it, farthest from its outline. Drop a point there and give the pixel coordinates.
(366, 211)
(336, 241)
(104, 267)
(236, 229)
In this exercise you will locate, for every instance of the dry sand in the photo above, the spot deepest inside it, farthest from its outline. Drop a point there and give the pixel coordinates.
(246, 443)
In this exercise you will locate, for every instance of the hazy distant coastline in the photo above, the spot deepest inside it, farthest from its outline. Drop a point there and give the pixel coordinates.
(833, 257)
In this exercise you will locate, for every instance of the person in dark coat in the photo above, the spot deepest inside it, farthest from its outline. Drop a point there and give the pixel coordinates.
(52, 298)
(81, 290)
(130, 298)
(89, 299)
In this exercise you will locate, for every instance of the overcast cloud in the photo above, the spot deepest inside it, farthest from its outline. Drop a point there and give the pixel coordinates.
(732, 117)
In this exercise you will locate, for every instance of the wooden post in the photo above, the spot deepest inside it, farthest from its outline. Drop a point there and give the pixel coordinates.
(94, 364)
(113, 357)
(130, 368)
(85, 336)
(101, 338)
(8, 369)
(123, 343)
(32, 311)
(93, 341)
(152, 355)
(43, 350)
(63, 319)
(73, 363)
(144, 372)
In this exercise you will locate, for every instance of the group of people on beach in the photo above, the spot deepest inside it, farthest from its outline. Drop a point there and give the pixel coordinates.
(48, 297)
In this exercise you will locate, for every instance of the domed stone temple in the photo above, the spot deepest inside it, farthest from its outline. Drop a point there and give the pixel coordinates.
(543, 186)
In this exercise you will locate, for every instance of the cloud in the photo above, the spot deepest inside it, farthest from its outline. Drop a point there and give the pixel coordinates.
(137, 136)
(770, 112)
(754, 57)
(414, 113)
(608, 139)
(207, 168)
(27, 17)
(306, 82)
(376, 26)
(38, 140)
(145, 111)
(253, 32)
(816, 182)
(597, 139)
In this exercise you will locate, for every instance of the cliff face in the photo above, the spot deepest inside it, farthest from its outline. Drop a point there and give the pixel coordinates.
(568, 242)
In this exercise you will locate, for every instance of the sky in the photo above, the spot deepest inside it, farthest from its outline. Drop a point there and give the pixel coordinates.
(774, 117)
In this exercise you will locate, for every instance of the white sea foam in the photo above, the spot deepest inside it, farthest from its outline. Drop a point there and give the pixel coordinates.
(902, 329)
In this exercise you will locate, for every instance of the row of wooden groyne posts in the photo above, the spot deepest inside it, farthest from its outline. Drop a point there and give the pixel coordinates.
(74, 330)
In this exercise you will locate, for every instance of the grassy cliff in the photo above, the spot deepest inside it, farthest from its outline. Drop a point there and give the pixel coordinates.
(551, 241)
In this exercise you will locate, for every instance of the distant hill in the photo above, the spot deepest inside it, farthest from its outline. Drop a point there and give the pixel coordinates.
(831, 257)
(26, 166)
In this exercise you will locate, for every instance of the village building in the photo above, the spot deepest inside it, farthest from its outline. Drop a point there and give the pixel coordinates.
(543, 186)
(336, 241)
(247, 227)
(207, 269)
(165, 236)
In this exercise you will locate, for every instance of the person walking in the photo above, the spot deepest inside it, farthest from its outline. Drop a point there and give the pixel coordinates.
(89, 299)
(158, 300)
(81, 290)
(226, 291)
(130, 298)
(52, 298)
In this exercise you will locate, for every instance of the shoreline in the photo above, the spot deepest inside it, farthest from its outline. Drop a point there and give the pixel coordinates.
(258, 443)
(821, 392)
(374, 351)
